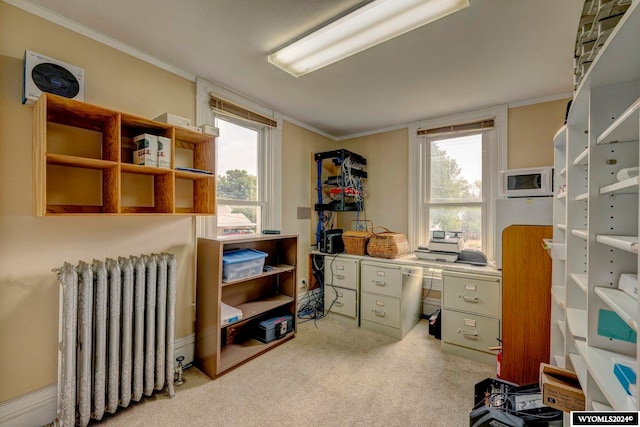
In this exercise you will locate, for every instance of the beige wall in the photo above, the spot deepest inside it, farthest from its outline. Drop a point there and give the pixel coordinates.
(387, 155)
(298, 146)
(531, 131)
(30, 247)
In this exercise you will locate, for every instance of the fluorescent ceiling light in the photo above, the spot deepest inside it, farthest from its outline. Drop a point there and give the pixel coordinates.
(368, 26)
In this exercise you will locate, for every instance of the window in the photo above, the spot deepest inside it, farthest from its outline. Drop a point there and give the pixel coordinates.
(454, 200)
(248, 162)
(239, 203)
(454, 165)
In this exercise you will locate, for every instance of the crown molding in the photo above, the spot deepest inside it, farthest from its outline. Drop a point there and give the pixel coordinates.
(99, 37)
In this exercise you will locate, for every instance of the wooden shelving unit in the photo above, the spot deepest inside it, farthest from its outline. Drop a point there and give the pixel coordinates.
(271, 293)
(83, 164)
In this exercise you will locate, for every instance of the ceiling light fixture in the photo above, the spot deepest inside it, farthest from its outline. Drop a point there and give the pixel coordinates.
(368, 26)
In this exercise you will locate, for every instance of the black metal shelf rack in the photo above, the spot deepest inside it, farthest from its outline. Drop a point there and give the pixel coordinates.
(343, 201)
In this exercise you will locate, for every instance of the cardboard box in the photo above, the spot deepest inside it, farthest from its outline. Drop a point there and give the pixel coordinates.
(561, 389)
(210, 130)
(172, 119)
(229, 314)
(164, 152)
(146, 153)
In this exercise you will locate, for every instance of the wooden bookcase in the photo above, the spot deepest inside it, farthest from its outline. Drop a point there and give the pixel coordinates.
(83, 164)
(270, 294)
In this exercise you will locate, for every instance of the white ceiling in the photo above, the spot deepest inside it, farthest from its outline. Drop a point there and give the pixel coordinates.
(493, 52)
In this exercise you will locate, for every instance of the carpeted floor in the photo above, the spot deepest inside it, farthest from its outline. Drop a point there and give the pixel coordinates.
(329, 375)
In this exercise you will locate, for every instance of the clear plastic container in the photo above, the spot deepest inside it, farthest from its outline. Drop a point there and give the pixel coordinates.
(242, 263)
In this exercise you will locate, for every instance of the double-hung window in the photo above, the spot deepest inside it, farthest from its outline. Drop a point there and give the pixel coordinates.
(248, 162)
(454, 169)
(239, 196)
(454, 200)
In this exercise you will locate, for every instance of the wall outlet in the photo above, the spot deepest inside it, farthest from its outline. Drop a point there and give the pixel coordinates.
(303, 283)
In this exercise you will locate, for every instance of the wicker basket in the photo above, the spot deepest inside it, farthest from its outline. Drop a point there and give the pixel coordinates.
(355, 241)
(387, 244)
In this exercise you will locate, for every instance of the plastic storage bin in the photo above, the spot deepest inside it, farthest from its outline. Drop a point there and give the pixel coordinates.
(274, 328)
(242, 263)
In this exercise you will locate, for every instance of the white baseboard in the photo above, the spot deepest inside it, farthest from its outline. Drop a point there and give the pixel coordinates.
(37, 408)
(185, 346)
(40, 407)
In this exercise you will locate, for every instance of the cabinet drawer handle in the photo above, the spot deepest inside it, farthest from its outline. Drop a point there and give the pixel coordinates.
(340, 276)
(468, 334)
(339, 294)
(380, 282)
(339, 303)
(380, 313)
(469, 299)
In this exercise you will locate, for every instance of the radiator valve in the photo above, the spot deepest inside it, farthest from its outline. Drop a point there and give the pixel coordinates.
(178, 375)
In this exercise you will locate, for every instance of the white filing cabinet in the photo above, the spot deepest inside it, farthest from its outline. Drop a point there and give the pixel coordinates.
(472, 310)
(342, 288)
(391, 300)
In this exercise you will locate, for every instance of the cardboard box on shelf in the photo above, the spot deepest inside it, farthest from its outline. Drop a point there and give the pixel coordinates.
(229, 314)
(146, 152)
(561, 389)
(210, 130)
(173, 119)
(164, 152)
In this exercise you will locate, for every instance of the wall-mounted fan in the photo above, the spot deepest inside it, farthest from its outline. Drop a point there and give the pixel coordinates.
(43, 74)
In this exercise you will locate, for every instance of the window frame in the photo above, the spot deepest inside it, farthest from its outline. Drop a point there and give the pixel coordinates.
(494, 160)
(269, 157)
(427, 205)
(262, 142)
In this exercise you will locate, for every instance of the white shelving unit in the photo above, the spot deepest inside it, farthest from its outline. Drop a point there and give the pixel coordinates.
(577, 322)
(594, 324)
(558, 266)
(580, 280)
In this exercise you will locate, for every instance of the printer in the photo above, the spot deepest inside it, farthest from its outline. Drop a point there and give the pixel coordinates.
(442, 246)
(449, 247)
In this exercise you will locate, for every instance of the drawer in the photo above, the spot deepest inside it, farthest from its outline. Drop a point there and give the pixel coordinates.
(471, 294)
(381, 309)
(469, 330)
(339, 272)
(345, 303)
(382, 280)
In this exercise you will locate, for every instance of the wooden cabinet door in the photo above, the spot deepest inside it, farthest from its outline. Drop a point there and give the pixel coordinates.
(526, 302)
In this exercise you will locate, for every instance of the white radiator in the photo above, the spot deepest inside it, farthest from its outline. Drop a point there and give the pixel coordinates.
(116, 334)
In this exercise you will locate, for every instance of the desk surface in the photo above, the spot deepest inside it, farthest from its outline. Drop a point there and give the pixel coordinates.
(412, 259)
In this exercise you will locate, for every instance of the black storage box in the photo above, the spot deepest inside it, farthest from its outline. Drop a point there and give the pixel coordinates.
(274, 328)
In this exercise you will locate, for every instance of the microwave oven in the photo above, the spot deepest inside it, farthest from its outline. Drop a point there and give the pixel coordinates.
(529, 182)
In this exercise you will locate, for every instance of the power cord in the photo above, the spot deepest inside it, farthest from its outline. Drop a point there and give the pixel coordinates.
(313, 308)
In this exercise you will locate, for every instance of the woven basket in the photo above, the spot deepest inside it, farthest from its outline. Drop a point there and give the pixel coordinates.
(387, 244)
(355, 241)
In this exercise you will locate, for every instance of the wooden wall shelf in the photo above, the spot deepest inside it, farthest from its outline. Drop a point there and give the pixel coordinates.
(83, 164)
